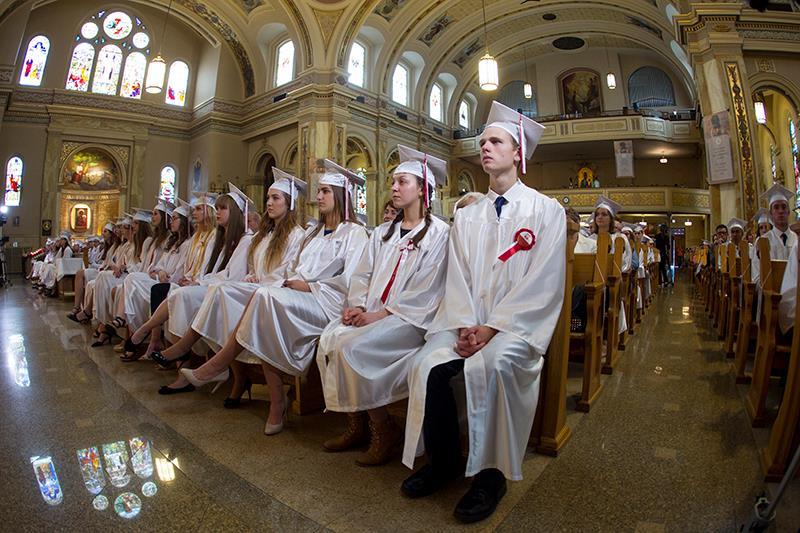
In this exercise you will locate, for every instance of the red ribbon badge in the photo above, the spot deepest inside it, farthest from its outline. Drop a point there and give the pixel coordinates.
(523, 241)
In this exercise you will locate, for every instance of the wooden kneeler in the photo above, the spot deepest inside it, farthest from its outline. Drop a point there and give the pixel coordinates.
(747, 329)
(768, 330)
(589, 270)
(550, 430)
(613, 293)
(784, 436)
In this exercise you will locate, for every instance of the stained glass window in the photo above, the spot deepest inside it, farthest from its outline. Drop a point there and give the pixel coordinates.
(14, 169)
(80, 67)
(117, 25)
(35, 60)
(435, 102)
(109, 63)
(463, 115)
(89, 30)
(133, 77)
(355, 67)
(285, 72)
(167, 188)
(361, 195)
(400, 85)
(795, 158)
(177, 83)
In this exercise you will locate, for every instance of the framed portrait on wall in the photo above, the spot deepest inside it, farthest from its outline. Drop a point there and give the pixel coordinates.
(581, 92)
(80, 218)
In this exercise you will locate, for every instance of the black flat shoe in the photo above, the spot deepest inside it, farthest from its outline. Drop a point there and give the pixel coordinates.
(427, 481)
(233, 403)
(166, 390)
(164, 362)
(480, 501)
(104, 338)
(131, 348)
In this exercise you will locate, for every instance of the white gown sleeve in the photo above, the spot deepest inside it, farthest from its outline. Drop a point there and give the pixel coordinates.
(236, 269)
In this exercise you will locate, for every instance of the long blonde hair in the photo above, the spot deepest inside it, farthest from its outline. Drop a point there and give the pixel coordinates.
(280, 237)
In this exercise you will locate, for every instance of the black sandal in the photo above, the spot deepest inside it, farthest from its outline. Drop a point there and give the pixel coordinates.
(164, 362)
(119, 322)
(103, 338)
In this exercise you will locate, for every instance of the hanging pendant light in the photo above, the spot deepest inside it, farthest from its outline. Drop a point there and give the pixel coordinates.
(611, 79)
(488, 77)
(760, 108)
(527, 87)
(157, 70)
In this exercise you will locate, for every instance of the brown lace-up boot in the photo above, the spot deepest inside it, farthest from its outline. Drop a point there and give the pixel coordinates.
(384, 438)
(354, 435)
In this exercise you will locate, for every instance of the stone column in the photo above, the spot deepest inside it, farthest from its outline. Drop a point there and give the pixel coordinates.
(715, 47)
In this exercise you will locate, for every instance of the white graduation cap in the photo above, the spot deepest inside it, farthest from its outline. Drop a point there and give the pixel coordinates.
(647, 239)
(288, 184)
(762, 217)
(610, 205)
(109, 226)
(639, 227)
(627, 228)
(164, 205)
(142, 215)
(183, 208)
(431, 169)
(737, 223)
(243, 202)
(93, 238)
(125, 220)
(49, 241)
(65, 235)
(524, 131)
(777, 193)
(204, 197)
(338, 176)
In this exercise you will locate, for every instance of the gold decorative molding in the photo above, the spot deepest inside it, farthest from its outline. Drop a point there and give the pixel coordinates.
(689, 199)
(638, 199)
(742, 128)
(327, 21)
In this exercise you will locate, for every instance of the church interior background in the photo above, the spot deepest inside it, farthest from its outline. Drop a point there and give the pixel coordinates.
(249, 85)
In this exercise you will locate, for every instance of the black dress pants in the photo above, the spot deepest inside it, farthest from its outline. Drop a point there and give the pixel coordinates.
(440, 427)
(158, 293)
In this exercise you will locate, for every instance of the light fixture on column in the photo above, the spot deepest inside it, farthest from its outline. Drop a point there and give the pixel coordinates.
(611, 79)
(157, 70)
(761, 110)
(527, 88)
(688, 223)
(663, 159)
(487, 67)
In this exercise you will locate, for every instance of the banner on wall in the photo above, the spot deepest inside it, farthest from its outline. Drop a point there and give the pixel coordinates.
(719, 158)
(623, 154)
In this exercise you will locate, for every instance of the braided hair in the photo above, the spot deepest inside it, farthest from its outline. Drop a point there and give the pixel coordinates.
(423, 211)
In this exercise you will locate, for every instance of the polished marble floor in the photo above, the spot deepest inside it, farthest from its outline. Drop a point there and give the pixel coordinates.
(88, 444)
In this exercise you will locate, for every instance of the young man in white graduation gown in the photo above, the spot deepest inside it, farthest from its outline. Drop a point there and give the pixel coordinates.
(781, 238)
(503, 295)
(394, 293)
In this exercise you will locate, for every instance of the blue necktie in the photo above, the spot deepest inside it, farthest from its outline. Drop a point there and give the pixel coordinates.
(499, 202)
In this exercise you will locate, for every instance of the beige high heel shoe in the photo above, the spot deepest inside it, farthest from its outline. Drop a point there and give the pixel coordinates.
(274, 429)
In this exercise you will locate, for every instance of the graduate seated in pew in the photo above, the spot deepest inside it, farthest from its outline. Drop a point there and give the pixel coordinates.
(503, 295)
(228, 262)
(781, 238)
(788, 305)
(42, 259)
(394, 292)
(47, 274)
(270, 255)
(100, 257)
(389, 211)
(466, 200)
(281, 325)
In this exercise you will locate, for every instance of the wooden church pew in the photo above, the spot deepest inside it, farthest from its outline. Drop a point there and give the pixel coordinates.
(724, 290)
(768, 334)
(613, 294)
(589, 270)
(784, 435)
(550, 430)
(735, 262)
(747, 330)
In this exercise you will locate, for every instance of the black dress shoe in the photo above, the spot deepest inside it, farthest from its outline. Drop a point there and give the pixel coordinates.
(163, 362)
(428, 480)
(481, 500)
(166, 390)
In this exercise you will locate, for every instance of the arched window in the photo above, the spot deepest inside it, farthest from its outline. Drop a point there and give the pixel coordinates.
(35, 61)
(109, 63)
(177, 83)
(166, 189)
(361, 196)
(117, 38)
(464, 115)
(133, 77)
(355, 66)
(513, 96)
(435, 102)
(80, 67)
(650, 87)
(14, 169)
(285, 71)
(400, 85)
(795, 159)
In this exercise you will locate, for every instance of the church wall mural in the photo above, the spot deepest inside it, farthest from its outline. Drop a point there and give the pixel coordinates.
(581, 92)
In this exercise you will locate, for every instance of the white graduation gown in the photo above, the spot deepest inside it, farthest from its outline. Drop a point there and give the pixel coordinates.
(788, 304)
(49, 272)
(589, 246)
(280, 325)
(224, 303)
(184, 302)
(106, 281)
(367, 367)
(138, 284)
(521, 299)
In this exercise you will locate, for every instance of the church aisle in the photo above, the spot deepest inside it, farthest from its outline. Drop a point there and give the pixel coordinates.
(666, 448)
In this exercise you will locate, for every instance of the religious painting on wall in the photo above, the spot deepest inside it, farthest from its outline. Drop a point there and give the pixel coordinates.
(90, 170)
(719, 155)
(80, 218)
(580, 93)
